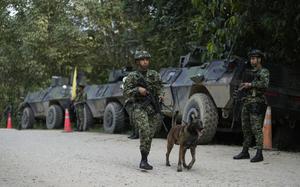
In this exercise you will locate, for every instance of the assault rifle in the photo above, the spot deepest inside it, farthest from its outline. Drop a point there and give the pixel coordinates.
(239, 93)
(153, 100)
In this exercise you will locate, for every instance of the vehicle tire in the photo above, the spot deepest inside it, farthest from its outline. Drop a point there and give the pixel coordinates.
(205, 108)
(54, 118)
(88, 119)
(27, 120)
(114, 118)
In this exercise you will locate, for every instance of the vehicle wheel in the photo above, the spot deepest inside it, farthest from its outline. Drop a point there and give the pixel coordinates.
(27, 118)
(88, 119)
(114, 118)
(54, 118)
(204, 107)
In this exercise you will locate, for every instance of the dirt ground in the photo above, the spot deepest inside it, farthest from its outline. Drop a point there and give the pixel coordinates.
(54, 158)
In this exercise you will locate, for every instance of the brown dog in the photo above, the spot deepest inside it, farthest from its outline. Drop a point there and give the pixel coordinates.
(186, 136)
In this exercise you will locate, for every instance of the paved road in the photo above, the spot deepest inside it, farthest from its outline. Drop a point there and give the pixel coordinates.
(54, 158)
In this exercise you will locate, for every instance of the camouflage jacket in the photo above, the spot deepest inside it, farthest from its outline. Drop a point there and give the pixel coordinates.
(258, 86)
(131, 84)
(80, 97)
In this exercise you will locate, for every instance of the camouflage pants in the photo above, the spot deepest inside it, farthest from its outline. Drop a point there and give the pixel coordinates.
(252, 123)
(147, 123)
(79, 116)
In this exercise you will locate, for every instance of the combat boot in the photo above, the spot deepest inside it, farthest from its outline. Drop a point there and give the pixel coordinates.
(258, 157)
(242, 155)
(131, 135)
(134, 135)
(144, 162)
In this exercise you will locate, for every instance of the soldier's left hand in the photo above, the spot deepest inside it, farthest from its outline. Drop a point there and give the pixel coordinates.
(247, 84)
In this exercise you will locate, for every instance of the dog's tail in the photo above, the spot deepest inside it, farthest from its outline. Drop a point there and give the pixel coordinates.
(174, 118)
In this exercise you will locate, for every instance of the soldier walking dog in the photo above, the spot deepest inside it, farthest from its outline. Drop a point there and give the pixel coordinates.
(187, 137)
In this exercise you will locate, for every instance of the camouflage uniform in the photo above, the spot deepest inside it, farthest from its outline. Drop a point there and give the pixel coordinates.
(143, 114)
(143, 117)
(79, 107)
(254, 108)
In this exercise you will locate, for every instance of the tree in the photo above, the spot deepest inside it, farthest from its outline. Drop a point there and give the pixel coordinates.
(272, 26)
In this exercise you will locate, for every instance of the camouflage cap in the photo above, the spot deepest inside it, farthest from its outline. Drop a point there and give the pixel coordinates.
(256, 53)
(141, 54)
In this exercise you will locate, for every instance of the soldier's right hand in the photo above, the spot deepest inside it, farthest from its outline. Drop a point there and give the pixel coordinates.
(142, 91)
(245, 85)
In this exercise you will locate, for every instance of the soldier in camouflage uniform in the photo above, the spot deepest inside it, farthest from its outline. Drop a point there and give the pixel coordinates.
(79, 104)
(254, 107)
(144, 115)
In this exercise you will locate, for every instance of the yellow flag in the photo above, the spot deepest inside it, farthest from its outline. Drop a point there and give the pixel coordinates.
(74, 84)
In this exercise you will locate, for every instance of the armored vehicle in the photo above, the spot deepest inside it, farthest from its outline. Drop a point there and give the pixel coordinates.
(106, 102)
(48, 104)
(209, 90)
(205, 88)
(283, 96)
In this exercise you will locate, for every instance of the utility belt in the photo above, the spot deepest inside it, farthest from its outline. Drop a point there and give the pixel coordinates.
(258, 108)
(256, 92)
(79, 104)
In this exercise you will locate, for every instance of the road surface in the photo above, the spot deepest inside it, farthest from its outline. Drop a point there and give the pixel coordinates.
(54, 158)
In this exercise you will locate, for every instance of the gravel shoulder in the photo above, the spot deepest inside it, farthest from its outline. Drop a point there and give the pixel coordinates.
(54, 158)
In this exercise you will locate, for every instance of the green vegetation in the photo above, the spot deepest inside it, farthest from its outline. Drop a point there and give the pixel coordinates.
(41, 38)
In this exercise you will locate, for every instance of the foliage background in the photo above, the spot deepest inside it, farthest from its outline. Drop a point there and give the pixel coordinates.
(41, 38)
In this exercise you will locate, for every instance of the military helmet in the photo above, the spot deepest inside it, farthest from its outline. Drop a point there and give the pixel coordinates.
(81, 82)
(256, 53)
(141, 54)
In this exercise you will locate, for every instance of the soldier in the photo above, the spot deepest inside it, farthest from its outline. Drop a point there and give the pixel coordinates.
(79, 103)
(254, 107)
(144, 116)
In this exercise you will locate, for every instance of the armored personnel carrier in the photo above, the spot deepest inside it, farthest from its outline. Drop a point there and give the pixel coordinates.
(106, 102)
(209, 89)
(201, 88)
(48, 104)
